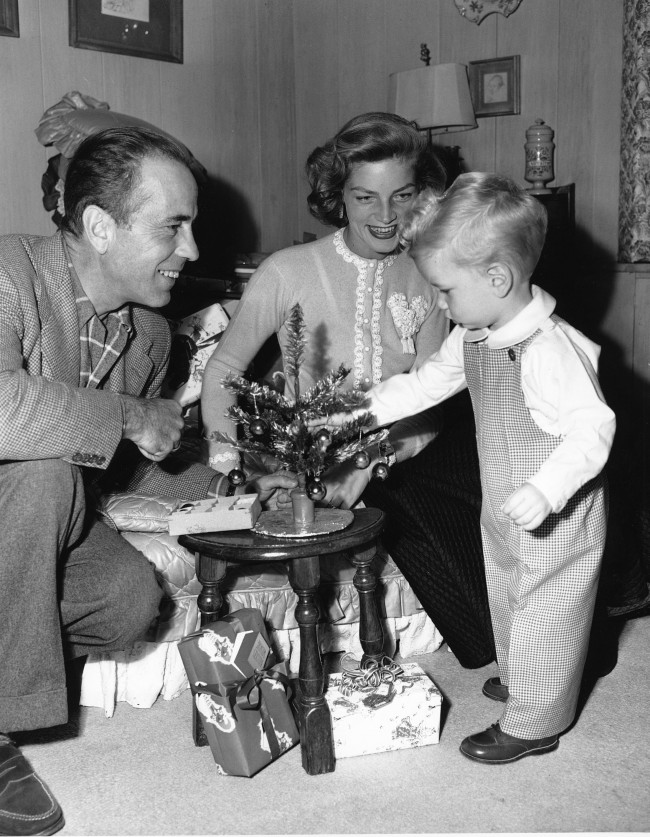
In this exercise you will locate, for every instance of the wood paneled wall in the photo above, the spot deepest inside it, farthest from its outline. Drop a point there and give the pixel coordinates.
(346, 49)
(265, 81)
(612, 306)
(231, 102)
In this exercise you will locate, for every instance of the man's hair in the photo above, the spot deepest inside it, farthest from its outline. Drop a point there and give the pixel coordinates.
(483, 218)
(105, 171)
(368, 138)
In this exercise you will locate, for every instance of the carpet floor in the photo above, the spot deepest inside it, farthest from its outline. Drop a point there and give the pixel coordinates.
(139, 773)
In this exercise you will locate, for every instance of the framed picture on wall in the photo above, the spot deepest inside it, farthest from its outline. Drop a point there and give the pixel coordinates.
(9, 18)
(494, 85)
(145, 28)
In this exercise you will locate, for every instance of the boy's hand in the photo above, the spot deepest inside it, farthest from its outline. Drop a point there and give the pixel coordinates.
(345, 484)
(527, 507)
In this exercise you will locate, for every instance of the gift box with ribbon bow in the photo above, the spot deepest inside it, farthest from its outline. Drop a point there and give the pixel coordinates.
(382, 706)
(193, 341)
(241, 692)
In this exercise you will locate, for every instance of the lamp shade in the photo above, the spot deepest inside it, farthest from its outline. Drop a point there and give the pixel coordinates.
(435, 97)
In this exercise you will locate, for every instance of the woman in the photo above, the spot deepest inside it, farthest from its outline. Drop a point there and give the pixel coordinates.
(361, 299)
(365, 305)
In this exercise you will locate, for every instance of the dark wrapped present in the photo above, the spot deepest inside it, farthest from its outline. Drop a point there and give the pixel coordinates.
(240, 691)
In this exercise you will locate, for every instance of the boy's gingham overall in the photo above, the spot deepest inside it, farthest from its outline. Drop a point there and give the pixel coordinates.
(541, 584)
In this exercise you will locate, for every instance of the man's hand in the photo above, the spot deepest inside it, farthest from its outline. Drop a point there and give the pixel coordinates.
(527, 507)
(153, 424)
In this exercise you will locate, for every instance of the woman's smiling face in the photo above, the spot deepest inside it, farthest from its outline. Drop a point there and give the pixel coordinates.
(376, 197)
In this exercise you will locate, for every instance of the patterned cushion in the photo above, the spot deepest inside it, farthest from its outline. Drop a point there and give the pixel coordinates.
(143, 522)
(193, 341)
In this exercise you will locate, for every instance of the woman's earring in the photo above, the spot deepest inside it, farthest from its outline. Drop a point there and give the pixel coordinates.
(342, 211)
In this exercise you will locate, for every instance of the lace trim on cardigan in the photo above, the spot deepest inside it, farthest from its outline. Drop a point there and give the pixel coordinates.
(362, 266)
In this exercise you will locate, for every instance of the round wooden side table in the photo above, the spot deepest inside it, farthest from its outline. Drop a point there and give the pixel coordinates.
(214, 551)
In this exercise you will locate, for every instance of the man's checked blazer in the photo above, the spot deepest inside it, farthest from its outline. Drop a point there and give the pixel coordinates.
(43, 412)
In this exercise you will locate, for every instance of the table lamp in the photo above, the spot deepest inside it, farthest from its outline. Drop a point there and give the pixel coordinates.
(436, 97)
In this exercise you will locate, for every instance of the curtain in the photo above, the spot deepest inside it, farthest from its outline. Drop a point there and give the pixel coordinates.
(634, 201)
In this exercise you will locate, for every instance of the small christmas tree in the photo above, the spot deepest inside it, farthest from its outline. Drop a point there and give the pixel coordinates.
(275, 426)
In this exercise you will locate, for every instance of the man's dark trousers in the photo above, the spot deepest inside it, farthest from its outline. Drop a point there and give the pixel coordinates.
(68, 584)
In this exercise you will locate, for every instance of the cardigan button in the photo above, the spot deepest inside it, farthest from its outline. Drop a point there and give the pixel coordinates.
(512, 355)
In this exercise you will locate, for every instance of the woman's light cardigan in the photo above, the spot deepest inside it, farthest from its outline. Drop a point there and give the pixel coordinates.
(376, 317)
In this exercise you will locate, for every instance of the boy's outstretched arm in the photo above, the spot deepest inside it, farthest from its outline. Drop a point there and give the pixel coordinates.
(440, 376)
(437, 379)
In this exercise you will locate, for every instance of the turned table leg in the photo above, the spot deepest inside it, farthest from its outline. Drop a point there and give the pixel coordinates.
(371, 634)
(315, 722)
(210, 572)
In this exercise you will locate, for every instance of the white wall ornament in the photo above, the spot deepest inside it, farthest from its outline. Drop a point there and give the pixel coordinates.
(476, 10)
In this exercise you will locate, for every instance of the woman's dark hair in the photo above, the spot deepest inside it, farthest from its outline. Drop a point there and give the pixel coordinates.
(368, 138)
(105, 171)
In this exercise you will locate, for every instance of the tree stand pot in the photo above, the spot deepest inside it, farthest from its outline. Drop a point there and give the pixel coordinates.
(303, 508)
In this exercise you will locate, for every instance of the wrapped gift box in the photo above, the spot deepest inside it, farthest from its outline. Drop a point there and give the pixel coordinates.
(364, 723)
(193, 341)
(219, 514)
(239, 691)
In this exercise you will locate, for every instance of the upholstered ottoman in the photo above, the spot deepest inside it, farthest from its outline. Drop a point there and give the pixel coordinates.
(153, 668)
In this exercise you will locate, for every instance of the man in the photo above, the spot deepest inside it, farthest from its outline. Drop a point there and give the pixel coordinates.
(82, 359)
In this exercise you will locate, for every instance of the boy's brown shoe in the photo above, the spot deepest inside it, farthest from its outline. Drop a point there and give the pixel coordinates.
(495, 690)
(27, 805)
(493, 746)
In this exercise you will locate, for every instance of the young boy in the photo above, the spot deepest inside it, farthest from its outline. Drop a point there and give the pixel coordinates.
(543, 432)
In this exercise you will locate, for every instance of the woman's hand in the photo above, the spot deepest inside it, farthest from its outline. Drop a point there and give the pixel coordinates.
(334, 420)
(345, 484)
(273, 489)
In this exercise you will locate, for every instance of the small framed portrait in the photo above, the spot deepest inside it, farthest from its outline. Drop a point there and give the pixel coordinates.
(145, 28)
(494, 85)
(9, 18)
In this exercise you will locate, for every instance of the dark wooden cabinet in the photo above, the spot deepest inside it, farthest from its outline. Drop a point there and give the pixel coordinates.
(553, 271)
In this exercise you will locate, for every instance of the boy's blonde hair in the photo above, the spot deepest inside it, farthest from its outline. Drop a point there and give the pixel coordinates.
(483, 218)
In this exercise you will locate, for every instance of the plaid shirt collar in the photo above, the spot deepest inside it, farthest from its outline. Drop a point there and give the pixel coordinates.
(102, 339)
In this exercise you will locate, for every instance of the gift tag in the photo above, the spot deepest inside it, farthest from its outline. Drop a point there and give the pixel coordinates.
(259, 653)
(381, 696)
